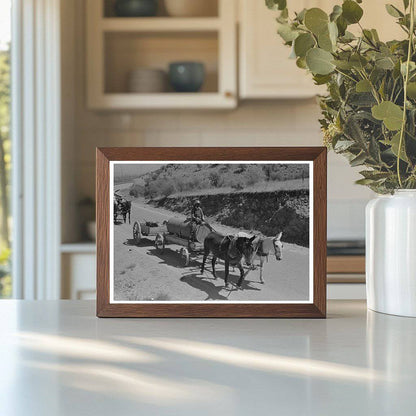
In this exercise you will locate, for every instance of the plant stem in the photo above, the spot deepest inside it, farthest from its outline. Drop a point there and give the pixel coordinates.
(406, 80)
(373, 89)
(345, 75)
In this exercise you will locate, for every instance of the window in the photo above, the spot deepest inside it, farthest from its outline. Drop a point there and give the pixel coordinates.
(5, 147)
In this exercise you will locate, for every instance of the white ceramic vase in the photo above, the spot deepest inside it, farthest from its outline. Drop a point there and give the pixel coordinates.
(391, 253)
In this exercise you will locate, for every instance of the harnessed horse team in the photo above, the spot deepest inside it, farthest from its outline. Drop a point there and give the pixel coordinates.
(238, 248)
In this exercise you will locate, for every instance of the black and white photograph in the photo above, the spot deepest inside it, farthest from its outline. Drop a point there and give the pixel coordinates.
(211, 232)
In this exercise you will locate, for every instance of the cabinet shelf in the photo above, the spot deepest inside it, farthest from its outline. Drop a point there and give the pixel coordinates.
(128, 101)
(159, 24)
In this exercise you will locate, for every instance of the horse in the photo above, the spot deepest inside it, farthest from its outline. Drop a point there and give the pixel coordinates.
(122, 208)
(265, 246)
(231, 249)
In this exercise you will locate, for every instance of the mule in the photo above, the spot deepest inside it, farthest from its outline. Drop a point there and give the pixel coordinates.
(122, 208)
(231, 249)
(265, 246)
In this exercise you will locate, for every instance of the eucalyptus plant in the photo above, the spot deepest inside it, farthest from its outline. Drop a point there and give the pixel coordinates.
(369, 112)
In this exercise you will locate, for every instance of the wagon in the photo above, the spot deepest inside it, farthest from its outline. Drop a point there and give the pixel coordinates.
(146, 229)
(178, 233)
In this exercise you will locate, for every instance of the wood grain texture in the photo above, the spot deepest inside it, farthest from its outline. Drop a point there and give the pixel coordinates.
(345, 278)
(346, 264)
(317, 309)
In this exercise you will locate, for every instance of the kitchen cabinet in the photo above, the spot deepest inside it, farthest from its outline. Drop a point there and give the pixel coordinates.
(265, 70)
(78, 263)
(118, 45)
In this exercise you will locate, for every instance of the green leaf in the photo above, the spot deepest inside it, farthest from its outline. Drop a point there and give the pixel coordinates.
(358, 160)
(347, 37)
(385, 63)
(393, 11)
(368, 36)
(358, 61)
(363, 86)
(406, 4)
(351, 11)
(327, 40)
(374, 150)
(411, 90)
(377, 75)
(316, 20)
(394, 145)
(276, 4)
(374, 175)
(301, 63)
(342, 25)
(361, 99)
(412, 67)
(333, 32)
(343, 145)
(283, 17)
(325, 43)
(354, 131)
(343, 65)
(336, 12)
(375, 35)
(364, 181)
(396, 71)
(321, 79)
(319, 61)
(303, 43)
(300, 17)
(391, 114)
(286, 32)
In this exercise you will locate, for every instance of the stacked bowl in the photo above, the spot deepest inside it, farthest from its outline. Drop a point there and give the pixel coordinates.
(147, 80)
(191, 8)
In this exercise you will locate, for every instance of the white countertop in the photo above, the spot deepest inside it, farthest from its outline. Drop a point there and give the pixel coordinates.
(57, 359)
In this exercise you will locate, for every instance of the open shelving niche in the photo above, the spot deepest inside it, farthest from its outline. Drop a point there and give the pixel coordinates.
(118, 45)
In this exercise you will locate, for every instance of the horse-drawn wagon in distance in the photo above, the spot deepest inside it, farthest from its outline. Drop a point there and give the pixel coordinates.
(176, 231)
(121, 208)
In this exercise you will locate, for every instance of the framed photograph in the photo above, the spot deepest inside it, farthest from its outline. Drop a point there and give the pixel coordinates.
(211, 232)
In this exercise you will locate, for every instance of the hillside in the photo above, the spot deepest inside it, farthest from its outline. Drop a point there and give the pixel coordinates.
(265, 212)
(182, 179)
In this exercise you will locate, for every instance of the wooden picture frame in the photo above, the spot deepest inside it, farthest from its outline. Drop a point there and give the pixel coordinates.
(315, 308)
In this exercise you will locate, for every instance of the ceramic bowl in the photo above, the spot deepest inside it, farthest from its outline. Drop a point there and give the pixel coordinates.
(186, 76)
(136, 8)
(147, 80)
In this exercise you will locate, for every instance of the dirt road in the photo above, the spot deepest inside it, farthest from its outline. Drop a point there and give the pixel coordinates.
(143, 273)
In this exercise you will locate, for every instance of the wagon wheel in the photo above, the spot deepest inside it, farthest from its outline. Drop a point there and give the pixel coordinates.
(184, 256)
(159, 242)
(137, 232)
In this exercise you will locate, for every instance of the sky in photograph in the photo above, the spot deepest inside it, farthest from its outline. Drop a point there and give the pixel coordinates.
(122, 170)
(5, 20)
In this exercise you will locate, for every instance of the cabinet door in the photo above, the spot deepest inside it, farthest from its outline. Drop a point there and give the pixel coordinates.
(265, 68)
